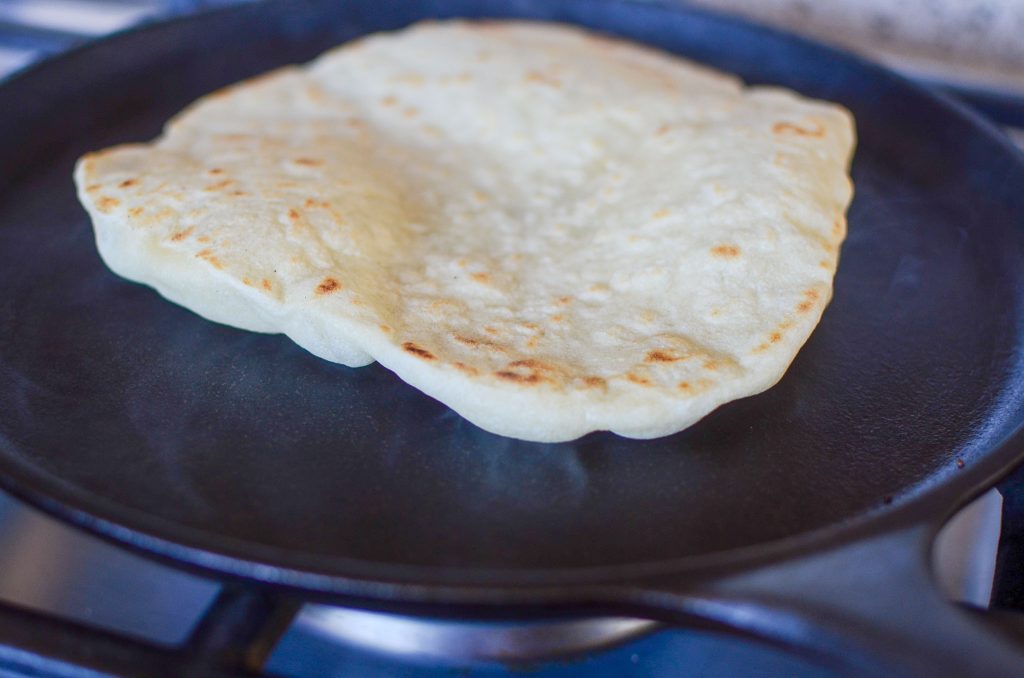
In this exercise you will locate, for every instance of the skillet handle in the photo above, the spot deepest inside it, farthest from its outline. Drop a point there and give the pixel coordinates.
(867, 608)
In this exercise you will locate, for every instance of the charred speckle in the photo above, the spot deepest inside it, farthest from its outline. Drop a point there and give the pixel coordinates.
(637, 379)
(328, 285)
(410, 347)
(660, 357)
(529, 363)
(790, 128)
(509, 375)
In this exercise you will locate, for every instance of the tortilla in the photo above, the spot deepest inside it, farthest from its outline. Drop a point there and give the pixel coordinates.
(550, 231)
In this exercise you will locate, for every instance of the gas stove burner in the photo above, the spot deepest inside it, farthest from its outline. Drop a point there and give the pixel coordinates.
(475, 641)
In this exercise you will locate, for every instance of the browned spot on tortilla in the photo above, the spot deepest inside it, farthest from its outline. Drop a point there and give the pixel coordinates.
(789, 128)
(265, 284)
(527, 371)
(92, 188)
(328, 285)
(220, 185)
(594, 382)
(410, 347)
(774, 337)
(824, 264)
(532, 342)
(309, 162)
(312, 202)
(710, 365)
(215, 170)
(479, 343)
(246, 281)
(532, 364)
(691, 388)
(760, 348)
(837, 226)
(662, 130)
(106, 203)
(239, 193)
(385, 328)
(661, 214)
(181, 235)
(463, 367)
(637, 379)
(662, 357)
(530, 326)
(509, 375)
(135, 211)
(388, 101)
(542, 79)
(355, 123)
(563, 301)
(293, 214)
(557, 318)
(725, 251)
(208, 256)
(128, 183)
(410, 112)
(811, 295)
(483, 278)
(203, 238)
(491, 330)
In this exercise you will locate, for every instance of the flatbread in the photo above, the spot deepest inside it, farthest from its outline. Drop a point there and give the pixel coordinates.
(549, 231)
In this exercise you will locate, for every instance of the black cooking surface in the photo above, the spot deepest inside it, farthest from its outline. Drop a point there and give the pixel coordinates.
(246, 444)
(250, 437)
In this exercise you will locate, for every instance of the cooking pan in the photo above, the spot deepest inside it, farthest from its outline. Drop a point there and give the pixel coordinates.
(801, 516)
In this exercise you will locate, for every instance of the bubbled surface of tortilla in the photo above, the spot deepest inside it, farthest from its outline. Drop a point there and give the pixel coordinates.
(550, 231)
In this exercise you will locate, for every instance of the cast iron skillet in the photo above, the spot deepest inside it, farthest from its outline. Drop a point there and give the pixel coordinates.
(802, 515)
